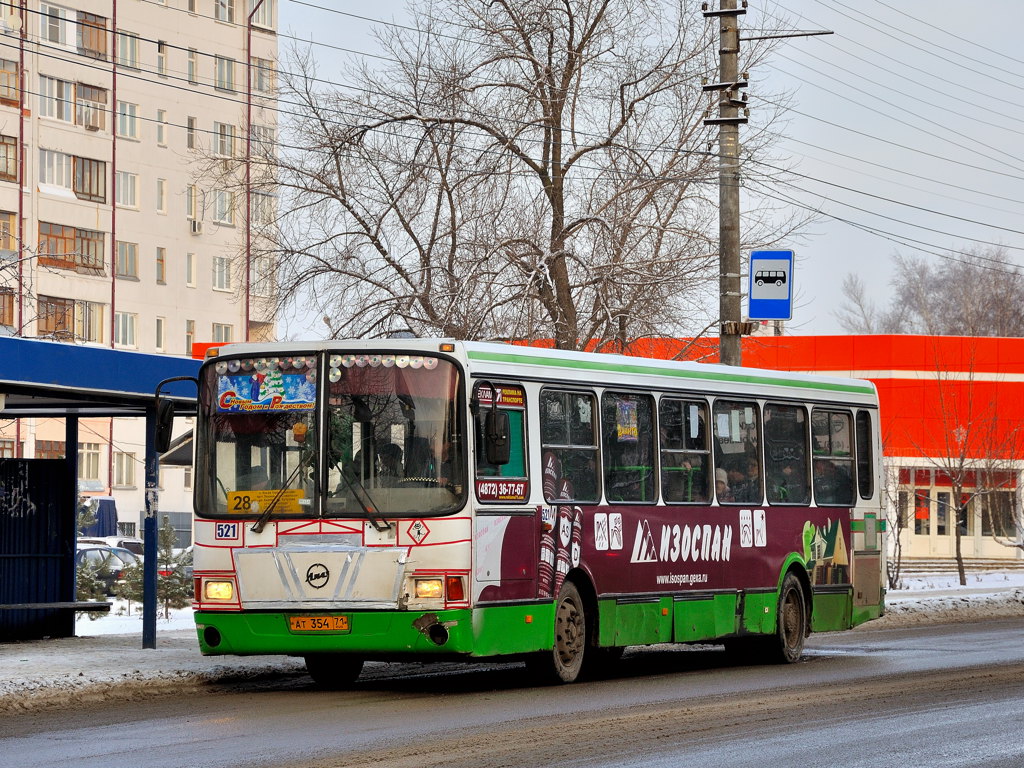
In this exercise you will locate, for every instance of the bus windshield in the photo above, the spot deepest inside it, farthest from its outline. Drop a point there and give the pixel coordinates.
(393, 436)
(392, 446)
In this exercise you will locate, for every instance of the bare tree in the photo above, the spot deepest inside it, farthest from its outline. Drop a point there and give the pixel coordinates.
(970, 293)
(537, 168)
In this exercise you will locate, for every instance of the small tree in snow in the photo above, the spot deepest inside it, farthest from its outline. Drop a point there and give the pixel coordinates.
(173, 588)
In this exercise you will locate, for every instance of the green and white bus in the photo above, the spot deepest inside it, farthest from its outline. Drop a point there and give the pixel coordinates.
(436, 499)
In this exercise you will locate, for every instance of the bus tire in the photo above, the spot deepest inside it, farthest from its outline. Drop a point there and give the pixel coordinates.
(786, 646)
(564, 662)
(333, 671)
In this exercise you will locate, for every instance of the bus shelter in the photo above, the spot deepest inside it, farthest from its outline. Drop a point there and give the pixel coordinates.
(39, 497)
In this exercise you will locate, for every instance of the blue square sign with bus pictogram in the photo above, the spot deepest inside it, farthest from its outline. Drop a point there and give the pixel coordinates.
(770, 296)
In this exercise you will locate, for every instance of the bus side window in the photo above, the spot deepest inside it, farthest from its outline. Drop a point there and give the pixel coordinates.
(569, 450)
(516, 466)
(785, 454)
(737, 452)
(685, 459)
(832, 447)
(865, 456)
(628, 440)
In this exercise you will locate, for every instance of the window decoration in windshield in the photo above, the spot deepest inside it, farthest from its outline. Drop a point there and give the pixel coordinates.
(266, 384)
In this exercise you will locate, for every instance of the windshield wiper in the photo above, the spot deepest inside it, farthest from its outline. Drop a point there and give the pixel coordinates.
(378, 522)
(264, 518)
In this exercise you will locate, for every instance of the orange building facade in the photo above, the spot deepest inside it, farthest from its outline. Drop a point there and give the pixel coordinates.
(952, 409)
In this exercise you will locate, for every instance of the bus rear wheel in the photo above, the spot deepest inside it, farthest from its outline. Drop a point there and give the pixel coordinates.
(333, 671)
(563, 663)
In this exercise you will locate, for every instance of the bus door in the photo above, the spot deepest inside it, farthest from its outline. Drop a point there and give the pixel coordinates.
(506, 536)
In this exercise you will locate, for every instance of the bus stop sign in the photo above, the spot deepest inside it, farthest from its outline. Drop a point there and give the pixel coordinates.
(771, 285)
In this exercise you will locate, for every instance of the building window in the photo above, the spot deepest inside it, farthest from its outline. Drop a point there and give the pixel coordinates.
(57, 246)
(193, 66)
(8, 82)
(8, 232)
(6, 307)
(161, 266)
(88, 461)
(262, 75)
(126, 190)
(224, 10)
(262, 279)
(8, 158)
(92, 35)
(91, 107)
(225, 73)
(56, 99)
(161, 58)
(221, 273)
(7, 451)
(263, 208)
(55, 168)
(89, 248)
(89, 321)
(49, 449)
(127, 259)
(190, 335)
(56, 318)
(124, 328)
(124, 470)
(90, 179)
(186, 481)
(190, 270)
(128, 50)
(264, 16)
(222, 333)
(127, 120)
(161, 127)
(191, 199)
(159, 340)
(224, 139)
(190, 133)
(263, 140)
(55, 24)
(161, 195)
(224, 206)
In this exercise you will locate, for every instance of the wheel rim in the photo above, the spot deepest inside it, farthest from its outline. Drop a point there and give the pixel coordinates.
(792, 620)
(570, 631)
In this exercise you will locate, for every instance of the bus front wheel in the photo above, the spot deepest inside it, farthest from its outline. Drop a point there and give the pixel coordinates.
(563, 663)
(333, 670)
(787, 644)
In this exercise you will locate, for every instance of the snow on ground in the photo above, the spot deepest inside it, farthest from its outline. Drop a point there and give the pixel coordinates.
(106, 660)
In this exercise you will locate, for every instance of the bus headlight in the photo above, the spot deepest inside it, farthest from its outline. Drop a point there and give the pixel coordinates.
(218, 590)
(429, 588)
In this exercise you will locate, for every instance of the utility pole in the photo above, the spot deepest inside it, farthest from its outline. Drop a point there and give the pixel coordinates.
(728, 121)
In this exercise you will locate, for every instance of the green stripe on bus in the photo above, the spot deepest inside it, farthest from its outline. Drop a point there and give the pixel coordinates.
(551, 362)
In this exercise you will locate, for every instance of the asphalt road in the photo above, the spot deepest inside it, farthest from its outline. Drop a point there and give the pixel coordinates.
(940, 695)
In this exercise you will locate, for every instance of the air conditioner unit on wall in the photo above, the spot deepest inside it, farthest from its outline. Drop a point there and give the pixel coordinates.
(197, 227)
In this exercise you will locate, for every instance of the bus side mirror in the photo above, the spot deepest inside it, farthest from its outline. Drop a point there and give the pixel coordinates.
(496, 441)
(164, 424)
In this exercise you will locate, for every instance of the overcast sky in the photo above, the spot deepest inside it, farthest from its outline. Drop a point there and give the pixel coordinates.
(903, 126)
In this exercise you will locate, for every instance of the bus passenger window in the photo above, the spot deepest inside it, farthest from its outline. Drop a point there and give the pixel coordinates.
(737, 452)
(831, 433)
(785, 454)
(569, 446)
(628, 439)
(512, 401)
(685, 459)
(865, 459)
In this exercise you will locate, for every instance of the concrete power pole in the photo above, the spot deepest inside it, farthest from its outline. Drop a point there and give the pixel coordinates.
(729, 118)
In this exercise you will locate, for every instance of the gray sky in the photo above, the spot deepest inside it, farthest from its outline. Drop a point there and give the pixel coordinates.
(904, 122)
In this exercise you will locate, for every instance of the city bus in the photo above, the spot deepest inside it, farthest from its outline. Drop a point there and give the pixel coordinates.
(429, 499)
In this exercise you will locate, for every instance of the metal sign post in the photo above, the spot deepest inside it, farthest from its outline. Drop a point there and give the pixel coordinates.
(771, 285)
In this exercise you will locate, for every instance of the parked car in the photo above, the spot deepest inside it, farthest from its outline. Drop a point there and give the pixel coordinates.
(131, 543)
(108, 563)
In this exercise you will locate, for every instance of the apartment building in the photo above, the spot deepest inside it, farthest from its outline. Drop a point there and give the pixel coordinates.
(125, 128)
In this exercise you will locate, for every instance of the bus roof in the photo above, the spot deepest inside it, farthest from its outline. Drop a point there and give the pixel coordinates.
(520, 361)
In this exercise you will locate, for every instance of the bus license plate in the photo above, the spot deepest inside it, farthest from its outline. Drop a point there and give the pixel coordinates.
(318, 624)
